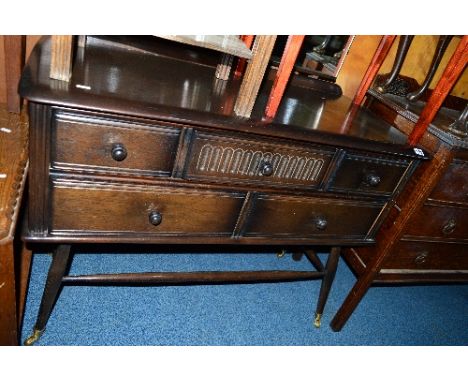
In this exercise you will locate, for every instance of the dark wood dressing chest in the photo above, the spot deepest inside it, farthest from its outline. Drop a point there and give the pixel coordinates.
(142, 146)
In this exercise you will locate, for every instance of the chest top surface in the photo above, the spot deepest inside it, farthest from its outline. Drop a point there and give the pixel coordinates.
(150, 78)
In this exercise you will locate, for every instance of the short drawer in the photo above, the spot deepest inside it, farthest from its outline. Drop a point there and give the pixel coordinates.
(285, 216)
(453, 186)
(439, 222)
(98, 145)
(234, 160)
(122, 209)
(422, 255)
(367, 174)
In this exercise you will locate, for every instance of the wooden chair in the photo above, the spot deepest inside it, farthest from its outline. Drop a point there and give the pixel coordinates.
(14, 257)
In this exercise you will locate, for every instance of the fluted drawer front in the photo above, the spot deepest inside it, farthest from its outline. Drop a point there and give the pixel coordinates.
(369, 174)
(82, 143)
(224, 159)
(86, 208)
(422, 255)
(453, 186)
(288, 216)
(440, 223)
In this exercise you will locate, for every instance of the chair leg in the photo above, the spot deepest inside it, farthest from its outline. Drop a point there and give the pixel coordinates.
(327, 281)
(57, 270)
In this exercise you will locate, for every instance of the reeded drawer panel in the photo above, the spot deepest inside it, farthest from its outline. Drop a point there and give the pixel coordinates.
(98, 145)
(421, 255)
(439, 222)
(223, 159)
(453, 186)
(367, 174)
(284, 216)
(119, 209)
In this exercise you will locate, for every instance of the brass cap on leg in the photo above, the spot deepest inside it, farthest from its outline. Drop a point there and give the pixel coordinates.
(33, 337)
(317, 321)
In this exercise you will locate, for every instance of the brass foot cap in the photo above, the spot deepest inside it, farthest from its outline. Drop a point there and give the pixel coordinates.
(34, 337)
(317, 321)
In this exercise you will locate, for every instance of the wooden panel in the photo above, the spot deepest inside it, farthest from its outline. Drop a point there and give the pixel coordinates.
(123, 209)
(220, 158)
(441, 222)
(14, 60)
(453, 186)
(262, 48)
(373, 175)
(421, 255)
(84, 143)
(281, 216)
(61, 57)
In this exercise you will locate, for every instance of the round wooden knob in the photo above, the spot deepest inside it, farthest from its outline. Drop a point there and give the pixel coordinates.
(372, 180)
(449, 227)
(119, 152)
(266, 169)
(155, 218)
(321, 223)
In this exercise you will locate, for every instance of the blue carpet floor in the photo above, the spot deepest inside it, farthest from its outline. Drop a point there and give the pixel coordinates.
(246, 314)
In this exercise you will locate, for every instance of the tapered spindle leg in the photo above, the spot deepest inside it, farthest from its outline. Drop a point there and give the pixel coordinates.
(442, 45)
(327, 281)
(313, 258)
(57, 270)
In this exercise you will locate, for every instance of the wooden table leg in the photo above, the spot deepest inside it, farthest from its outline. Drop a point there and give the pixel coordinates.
(61, 57)
(327, 281)
(57, 270)
(261, 52)
(23, 279)
(288, 60)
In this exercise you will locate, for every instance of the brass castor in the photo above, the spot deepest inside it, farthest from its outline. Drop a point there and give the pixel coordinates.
(281, 254)
(317, 321)
(33, 337)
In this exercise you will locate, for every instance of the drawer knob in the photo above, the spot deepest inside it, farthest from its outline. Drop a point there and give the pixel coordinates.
(421, 257)
(321, 223)
(372, 180)
(119, 152)
(266, 169)
(449, 227)
(155, 218)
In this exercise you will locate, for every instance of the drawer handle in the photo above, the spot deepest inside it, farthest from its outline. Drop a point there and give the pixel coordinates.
(421, 257)
(321, 223)
(449, 227)
(155, 218)
(119, 152)
(372, 180)
(266, 169)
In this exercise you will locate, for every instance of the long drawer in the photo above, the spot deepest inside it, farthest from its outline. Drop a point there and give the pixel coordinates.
(439, 222)
(289, 216)
(423, 255)
(81, 142)
(221, 158)
(80, 207)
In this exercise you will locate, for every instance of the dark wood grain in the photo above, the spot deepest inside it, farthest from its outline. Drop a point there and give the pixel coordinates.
(149, 151)
(14, 47)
